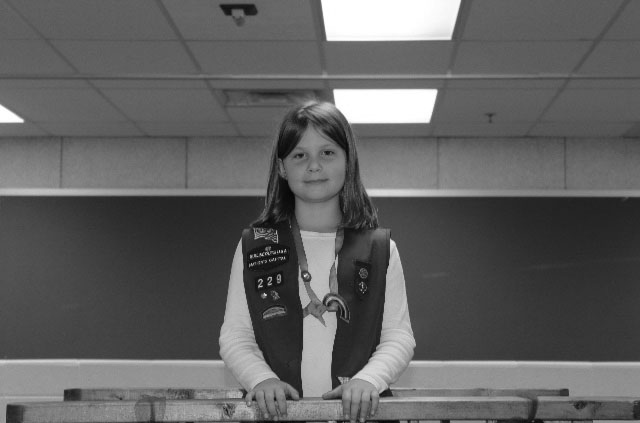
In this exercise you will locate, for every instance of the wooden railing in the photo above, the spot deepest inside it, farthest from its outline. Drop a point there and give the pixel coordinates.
(185, 405)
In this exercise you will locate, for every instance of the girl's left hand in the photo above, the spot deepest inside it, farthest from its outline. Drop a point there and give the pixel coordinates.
(357, 395)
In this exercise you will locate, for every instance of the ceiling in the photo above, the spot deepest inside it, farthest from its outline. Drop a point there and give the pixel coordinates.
(141, 68)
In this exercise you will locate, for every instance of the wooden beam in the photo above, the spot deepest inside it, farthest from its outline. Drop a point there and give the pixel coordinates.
(588, 408)
(168, 411)
(134, 394)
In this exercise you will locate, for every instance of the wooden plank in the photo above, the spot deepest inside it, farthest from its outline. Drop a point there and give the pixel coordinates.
(588, 408)
(168, 411)
(133, 394)
(479, 392)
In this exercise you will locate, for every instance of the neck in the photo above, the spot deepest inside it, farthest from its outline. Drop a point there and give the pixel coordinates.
(318, 217)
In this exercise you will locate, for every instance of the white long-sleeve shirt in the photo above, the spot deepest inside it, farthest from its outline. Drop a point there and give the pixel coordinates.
(240, 352)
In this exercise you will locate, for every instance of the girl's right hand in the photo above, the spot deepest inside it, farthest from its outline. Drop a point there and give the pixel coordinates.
(271, 396)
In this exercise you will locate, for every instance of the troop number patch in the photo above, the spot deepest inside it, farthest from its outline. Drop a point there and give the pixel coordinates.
(268, 281)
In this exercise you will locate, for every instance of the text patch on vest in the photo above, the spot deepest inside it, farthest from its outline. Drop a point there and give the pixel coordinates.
(269, 281)
(267, 257)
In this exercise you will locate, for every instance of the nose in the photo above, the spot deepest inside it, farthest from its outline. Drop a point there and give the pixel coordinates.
(314, 165)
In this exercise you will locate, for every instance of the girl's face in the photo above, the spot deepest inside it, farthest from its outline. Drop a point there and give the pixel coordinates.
(315, 169)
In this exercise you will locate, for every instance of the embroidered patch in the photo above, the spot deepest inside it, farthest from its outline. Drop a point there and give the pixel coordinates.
(343, 379)
(269, 234)
(267, 257)
(273, 312)
(274, 295)
(268, 281)
(361, 281)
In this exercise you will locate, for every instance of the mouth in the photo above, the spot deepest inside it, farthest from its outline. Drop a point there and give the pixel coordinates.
(316, 181)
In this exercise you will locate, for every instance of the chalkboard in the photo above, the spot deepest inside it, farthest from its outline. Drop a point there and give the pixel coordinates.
(488, 278)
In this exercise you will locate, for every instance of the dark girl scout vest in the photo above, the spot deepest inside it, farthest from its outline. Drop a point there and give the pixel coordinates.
(271, 286)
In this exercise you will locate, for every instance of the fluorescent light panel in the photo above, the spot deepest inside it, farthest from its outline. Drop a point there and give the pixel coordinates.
(7, 116)
(386, 106)
(390, 20)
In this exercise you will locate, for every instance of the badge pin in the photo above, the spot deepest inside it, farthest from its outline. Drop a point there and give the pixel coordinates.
(363, 273)
(362, 288)
(274, 295)
(263, 295)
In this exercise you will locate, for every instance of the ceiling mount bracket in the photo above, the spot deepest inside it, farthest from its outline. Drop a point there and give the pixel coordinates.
(239, 11)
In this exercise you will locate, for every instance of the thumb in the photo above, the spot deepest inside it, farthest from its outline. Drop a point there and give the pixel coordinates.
(293, 394)
(335, 393)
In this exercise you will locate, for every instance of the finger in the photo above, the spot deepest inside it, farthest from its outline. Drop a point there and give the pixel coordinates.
(334, 393)
(375, 398)
(292, 392)
(262, 405)
(271, 404)
(281, 402)
(346, 403)
(355, 405)
(249, 397)
(365, 405)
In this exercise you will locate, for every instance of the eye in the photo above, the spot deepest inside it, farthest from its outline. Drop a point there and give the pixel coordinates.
(297, 155)
(329, 153)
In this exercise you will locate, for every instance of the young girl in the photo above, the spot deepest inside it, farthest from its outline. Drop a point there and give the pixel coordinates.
(317, 304)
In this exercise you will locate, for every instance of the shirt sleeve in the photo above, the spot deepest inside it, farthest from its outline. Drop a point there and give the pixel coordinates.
(395, 350)
(238, 347)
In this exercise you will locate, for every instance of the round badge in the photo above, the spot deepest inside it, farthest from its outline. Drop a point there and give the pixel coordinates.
(306, 276)
(363, 273)
(263, 295)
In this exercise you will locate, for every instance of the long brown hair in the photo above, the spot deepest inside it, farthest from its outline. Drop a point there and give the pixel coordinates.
(357, 209)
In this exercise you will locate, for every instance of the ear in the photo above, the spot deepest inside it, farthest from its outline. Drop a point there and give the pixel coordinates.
(281, 170)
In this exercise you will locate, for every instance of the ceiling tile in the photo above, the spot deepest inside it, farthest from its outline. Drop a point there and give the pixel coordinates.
(257, 129)
(257, 114)
(30, 57)
(34, 83)
(188, 129)
(462, 129)
(579, 129)
(276, 20)
(417, 57)
(90, 129)
(26, 129)
(614, 58)
(622, 83)
(525, 57)
(97, 19)
(626, 26)
(387, 130)
(503, 83)
(267, 84)
(471, 106)
(634, 131)
(146, 57)
(12, 26)
(155, 105)
(606, 105)
(150, 84)
(59, 105)
(537, 20)
(242, 58)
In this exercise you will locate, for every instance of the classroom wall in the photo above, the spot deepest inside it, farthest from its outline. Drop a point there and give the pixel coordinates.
(241, 163)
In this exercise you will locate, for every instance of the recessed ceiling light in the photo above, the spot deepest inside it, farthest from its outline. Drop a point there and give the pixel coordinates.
(397, 20)
(7, 116)
(386, 105)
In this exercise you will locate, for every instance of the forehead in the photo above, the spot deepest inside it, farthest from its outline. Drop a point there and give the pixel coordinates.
(312, 138)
